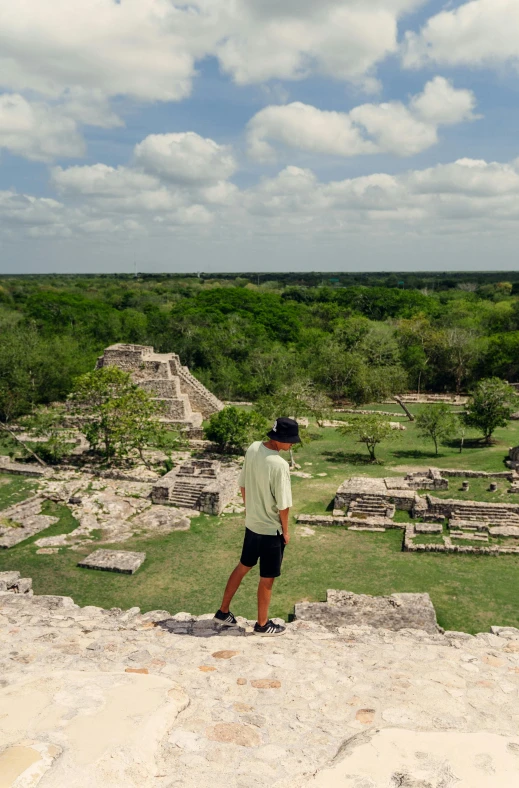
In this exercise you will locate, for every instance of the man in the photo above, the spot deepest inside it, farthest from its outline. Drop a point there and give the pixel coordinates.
(265, 487)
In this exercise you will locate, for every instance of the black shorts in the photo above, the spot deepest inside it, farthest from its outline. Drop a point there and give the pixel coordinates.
(268, 549)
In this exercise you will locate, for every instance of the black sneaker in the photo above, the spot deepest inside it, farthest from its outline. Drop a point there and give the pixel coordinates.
(226, 619)
(270, 630)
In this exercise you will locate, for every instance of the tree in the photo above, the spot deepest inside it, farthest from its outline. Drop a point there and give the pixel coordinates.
(460, 354)
(437, 422)
(300, 399)
(491, 405)
(51, 424)
(117, 417)
(371, 430)
(233, 429)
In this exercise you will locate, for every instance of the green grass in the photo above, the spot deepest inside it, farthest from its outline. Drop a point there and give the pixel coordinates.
(428, 539)
(188, 570)
(478, 491)
(14, 489)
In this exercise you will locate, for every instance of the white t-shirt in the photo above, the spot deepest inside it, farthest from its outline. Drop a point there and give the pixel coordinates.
(266, 478)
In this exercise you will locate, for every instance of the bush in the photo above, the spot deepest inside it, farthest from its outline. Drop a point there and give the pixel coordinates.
(233, 430)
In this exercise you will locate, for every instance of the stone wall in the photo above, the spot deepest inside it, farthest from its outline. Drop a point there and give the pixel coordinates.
(344, 609)
(445, 507)
(22, 468)
(460, 473)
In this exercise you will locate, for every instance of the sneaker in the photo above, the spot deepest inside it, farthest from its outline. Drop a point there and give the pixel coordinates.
(226, 619)
(270, 630)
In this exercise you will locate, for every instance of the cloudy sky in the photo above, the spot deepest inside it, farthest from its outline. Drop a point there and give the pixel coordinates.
(226, 135)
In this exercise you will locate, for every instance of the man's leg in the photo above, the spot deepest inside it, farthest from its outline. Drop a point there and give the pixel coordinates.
(233, 585)
(264, 596)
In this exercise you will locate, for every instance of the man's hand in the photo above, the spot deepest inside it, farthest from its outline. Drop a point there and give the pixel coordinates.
(283, 518)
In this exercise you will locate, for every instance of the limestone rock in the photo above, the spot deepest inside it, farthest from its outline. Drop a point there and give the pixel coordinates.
(398, 611)
(122, 561)
(414, 759)
(93, 697)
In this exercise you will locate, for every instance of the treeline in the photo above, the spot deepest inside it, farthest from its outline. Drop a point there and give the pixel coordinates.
(247, 341)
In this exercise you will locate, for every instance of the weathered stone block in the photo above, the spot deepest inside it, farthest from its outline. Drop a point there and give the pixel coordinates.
(428, 528)
(121, 561)
(398, 611)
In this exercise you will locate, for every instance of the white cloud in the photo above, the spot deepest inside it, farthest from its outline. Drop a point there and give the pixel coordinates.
(305, 127)
(442, 104)
(185, 158)
(370, 128)
(140, 48)
(100, 179)
(471, 196)
(147, 49)
(476, 33)
(466, 198)
(90, 108)
(36, 131)
(288, 40)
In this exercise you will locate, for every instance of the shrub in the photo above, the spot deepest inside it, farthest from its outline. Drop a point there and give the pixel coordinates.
(233, 429)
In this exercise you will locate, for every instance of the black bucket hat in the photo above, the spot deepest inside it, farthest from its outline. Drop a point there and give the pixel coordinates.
(285, 431)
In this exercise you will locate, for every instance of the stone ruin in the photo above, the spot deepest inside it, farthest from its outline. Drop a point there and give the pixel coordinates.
(186, 402)
(205, 485)
(440, 524)
(398, 611)
(124, 699)
(513, 458)
(121, 561)
(22, 520)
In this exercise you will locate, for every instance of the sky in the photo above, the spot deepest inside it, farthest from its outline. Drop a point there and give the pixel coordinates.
(258, 135)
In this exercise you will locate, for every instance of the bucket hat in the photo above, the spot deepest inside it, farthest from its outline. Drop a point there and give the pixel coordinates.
(285, 431)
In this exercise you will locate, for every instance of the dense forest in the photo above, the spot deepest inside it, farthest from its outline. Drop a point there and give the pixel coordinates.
(359, 337)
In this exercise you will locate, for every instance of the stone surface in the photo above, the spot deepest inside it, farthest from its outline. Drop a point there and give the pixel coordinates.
(398, 611)
(428, 528)
(411, 759)
(19, 522)
(504, 530)
(354, 707)
(122, 561)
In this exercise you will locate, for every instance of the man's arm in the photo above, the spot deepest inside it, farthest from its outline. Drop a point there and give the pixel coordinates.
(283, 516)
(242, 490)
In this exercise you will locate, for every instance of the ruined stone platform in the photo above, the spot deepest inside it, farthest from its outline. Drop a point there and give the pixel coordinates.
(23, 520)
(107, 699)
(203, 485)
(122, 561)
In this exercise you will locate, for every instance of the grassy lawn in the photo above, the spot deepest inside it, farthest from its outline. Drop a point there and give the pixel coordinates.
(187, 570)
(478, 491)
(14, 489)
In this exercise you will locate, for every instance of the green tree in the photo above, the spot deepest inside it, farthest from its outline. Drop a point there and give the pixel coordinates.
(117, 417)
(491, 405)
(370, 430)
(299, 399)
(51, 424)
(233, 429)
(436, 422)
